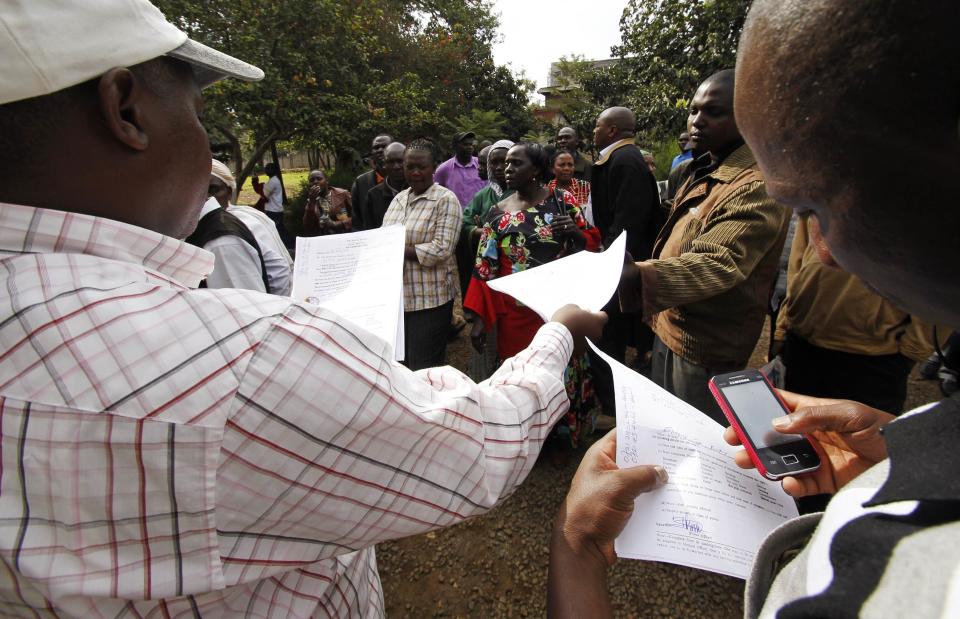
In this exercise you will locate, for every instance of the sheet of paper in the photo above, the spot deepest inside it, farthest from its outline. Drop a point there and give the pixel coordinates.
(358, 275)
(587, 279)
(711, 515)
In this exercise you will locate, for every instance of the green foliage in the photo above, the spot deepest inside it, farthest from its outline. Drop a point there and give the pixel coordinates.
(487, 124)
(668, 47)
(295, 207)
(339, 72)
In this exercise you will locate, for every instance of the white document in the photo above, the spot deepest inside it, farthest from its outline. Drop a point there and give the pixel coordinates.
(711, 514)
(586, 279)
(359, 275)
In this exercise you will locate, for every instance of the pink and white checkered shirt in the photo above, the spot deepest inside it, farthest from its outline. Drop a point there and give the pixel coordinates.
(172, 452)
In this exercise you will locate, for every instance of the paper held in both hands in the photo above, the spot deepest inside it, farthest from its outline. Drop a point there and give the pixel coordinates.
(358, 275)
(711, 514)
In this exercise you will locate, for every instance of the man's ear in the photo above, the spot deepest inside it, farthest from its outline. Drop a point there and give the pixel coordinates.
(121, 107)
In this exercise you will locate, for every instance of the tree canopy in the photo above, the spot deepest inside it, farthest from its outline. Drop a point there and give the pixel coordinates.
(668, 48)
(338, 72)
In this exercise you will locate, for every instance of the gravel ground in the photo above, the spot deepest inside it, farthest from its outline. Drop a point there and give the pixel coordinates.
(496, 565)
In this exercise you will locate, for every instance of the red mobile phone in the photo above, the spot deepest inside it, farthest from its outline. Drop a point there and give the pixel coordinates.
(750, 403)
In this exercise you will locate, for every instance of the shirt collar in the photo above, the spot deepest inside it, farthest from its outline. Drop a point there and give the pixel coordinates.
(734, 163)
(209, 206)
(924, 457)
(429, 194)
(30, 230)
(606, 152)
(474, 163)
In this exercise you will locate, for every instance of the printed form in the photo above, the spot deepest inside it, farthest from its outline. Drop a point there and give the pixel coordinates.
(711, 514)
(357, 275)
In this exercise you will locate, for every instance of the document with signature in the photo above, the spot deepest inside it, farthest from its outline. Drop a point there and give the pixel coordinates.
(711, 515)
(358, 275)
(586, 279)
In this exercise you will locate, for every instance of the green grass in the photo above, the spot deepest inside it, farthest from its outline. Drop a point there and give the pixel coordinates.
(291, 181)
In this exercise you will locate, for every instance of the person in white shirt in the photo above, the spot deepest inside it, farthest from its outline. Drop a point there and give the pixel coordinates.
(273, 192)
(238, 260)
(276, 258)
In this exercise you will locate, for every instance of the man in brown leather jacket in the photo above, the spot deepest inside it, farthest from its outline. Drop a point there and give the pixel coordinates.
(714, 263)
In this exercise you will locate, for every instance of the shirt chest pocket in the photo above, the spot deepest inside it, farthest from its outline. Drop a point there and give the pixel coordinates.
(102, 505)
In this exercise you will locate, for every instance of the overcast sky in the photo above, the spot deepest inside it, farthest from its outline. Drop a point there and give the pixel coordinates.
(535, 33)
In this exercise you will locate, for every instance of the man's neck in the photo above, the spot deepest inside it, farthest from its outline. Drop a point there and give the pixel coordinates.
(466, 161)
(723, 153)
(395, 188)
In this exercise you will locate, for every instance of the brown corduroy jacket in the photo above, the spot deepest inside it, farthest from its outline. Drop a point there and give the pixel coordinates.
(708, 302)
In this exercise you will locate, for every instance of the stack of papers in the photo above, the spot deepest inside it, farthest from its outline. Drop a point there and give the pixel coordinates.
(357, 275)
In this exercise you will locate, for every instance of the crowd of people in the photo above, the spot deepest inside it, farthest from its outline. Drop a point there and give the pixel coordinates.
(180, 437)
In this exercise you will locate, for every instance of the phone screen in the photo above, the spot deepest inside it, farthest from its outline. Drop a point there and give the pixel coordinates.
(756, 406)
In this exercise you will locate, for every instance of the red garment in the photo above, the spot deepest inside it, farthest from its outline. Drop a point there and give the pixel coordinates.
(513, 242)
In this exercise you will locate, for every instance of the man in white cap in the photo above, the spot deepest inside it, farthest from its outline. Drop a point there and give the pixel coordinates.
(238, 260)
(276, 259)
(172, 451)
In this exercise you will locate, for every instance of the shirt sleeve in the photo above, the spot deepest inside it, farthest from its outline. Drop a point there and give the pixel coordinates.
(916, 342)
(446, 233)
(332, 446)
(721, 256)
(794, 262)
(237, 264)
(357, 202)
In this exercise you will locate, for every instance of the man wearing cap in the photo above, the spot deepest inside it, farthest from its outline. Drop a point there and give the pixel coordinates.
(276, 258)
(461, 173)
(238, 259)
(180, 452)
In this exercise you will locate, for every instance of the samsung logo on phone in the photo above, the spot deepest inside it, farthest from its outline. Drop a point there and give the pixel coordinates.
(738, 381)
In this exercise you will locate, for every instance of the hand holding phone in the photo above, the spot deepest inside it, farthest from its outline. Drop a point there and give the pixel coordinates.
(846, 434)
(750, 404)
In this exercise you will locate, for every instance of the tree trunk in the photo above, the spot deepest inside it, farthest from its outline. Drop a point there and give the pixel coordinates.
(276, 162)
(313, 157)
(256, 156)
(236, 155)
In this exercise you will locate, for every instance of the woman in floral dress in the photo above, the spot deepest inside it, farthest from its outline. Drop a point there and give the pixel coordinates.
(531, 227)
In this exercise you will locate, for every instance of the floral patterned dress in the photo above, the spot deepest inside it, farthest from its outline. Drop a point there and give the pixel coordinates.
(511, 242)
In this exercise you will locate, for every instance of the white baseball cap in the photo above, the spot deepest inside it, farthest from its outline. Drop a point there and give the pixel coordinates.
(49, 45)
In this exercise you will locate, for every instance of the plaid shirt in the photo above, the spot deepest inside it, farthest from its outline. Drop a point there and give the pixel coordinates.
(175, 452)
(432, 220)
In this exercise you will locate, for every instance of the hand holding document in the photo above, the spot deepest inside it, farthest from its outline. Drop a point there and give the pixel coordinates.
(586, 279)
(358, 275)
(711, 514)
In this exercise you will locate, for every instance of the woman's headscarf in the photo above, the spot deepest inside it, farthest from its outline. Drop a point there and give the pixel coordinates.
(507, 144)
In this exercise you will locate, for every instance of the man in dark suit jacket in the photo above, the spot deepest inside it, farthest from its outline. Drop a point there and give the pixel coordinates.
(379, 198)
(368, 180)
(625, 198)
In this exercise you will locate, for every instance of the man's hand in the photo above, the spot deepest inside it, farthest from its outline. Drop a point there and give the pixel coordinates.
(630, 290)
(600, 500)
(581, 324)
(597, 507)
(846, 435)
(478, 337)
